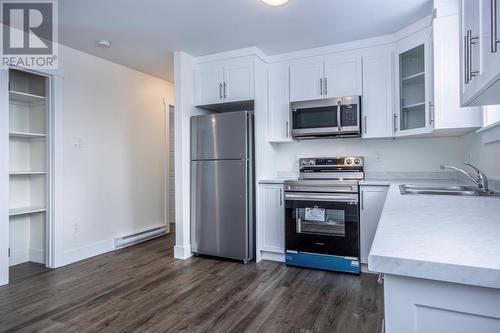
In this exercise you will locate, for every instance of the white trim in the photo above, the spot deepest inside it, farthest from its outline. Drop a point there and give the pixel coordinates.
(182, 252)
(249, 51)
(36, 255)
(87, 251)
(488, 127)
(280, 257)
(18, 256)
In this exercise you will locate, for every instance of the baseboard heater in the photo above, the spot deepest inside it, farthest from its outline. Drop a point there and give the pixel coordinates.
(139, 237)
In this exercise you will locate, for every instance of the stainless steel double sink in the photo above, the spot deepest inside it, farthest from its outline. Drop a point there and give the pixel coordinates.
(445, 190)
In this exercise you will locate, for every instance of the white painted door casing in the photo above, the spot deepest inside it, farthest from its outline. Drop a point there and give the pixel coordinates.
(372, 203)
(272, 218)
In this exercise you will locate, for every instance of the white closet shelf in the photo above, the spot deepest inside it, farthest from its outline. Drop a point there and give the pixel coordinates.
(26, 173)
(418, 78)
(26, 135)
(26, 210)
(24, 97)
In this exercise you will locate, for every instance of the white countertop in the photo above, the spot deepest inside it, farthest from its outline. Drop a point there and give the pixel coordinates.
(446, 238)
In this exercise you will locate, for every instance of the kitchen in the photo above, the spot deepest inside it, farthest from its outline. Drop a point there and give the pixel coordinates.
(324, 167)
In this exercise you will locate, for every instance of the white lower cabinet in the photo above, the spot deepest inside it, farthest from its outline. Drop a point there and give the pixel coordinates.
(271, 222)
(372, 203)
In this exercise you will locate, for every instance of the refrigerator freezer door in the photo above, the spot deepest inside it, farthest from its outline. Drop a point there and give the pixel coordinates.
(220, 136)
(219, 208)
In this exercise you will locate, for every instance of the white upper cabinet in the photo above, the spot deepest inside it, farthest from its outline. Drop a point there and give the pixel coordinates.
(208, 84)
(448, 114)
(238, 80)
(335, 75)
(342, 76)
(480, 52)
(414, 73)
(377, 104)
(306, 80)
(224, 81)
(279, 103)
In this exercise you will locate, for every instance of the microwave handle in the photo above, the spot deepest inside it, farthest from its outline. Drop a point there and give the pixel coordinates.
(339, 120)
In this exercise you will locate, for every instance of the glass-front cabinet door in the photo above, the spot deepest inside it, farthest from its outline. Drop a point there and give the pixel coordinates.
(414, 114)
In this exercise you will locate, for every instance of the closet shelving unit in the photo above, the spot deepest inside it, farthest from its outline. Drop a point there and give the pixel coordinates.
(28, 163)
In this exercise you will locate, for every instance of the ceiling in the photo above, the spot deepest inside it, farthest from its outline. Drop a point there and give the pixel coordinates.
(145, 33)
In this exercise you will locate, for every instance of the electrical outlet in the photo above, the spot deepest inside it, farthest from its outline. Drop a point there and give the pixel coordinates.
(470, 154)
(77, 142)
(378, 156)
(76, 228)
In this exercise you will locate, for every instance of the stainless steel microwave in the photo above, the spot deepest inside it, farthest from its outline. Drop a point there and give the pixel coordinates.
(333, 117)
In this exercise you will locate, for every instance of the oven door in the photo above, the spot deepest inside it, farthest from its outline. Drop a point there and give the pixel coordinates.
(323, 223)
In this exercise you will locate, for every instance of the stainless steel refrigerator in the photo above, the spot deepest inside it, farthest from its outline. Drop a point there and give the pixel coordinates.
(222, 185)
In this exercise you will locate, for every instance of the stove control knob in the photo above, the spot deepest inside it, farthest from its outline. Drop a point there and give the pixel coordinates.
(349, 162)
(304, 162)
(357, 161)
(311, 162)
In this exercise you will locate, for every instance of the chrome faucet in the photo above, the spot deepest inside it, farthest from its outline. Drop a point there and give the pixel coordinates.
(481, 180)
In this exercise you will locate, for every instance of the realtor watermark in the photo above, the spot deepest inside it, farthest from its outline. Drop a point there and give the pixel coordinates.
(29, 34)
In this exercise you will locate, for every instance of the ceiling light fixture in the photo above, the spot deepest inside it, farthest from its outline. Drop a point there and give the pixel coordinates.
(103, 43)
(275, 3)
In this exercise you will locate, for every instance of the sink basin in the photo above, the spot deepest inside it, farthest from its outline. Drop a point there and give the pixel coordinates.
(444, 190)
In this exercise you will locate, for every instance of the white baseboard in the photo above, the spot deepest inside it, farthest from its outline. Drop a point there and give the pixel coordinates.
(364, 269)
(37, 255)
(182, 252)
(87, 251)
(273, 256)
(18, 256)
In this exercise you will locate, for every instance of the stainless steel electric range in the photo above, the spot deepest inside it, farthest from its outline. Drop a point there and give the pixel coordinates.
(322, 214)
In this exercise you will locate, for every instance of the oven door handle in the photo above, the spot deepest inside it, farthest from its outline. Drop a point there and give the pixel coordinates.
(321, 197)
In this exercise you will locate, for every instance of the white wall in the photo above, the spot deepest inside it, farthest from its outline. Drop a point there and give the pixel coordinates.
(408, 155)
(113, 153)
(485, 156)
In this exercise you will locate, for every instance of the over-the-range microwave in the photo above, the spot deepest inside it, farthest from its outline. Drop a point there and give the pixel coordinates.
(324, 118)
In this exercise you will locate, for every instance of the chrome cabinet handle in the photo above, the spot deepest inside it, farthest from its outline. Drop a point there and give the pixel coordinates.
(366, 124)
(326, 86)
(471, 41)
(339, 120)
(281, 197)
(494, 38)
(225, 86)
(395, 122)
(220, 90)
(466, 59)
(321, 87)
(287, 129)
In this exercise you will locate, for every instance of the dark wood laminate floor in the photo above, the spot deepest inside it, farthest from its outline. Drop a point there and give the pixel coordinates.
(144, 289)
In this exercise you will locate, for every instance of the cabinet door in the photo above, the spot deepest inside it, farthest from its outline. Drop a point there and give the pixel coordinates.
(238, 80)
(208, 80)
(415, 84)
(306, 80)
(490, 50)
(342, 76)
(377, 106)
(446, 48)
(272, 221)
(372, 204)
(279, 103)
(471, 70)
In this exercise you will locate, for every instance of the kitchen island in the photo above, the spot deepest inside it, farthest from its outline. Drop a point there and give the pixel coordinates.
(440, 256)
